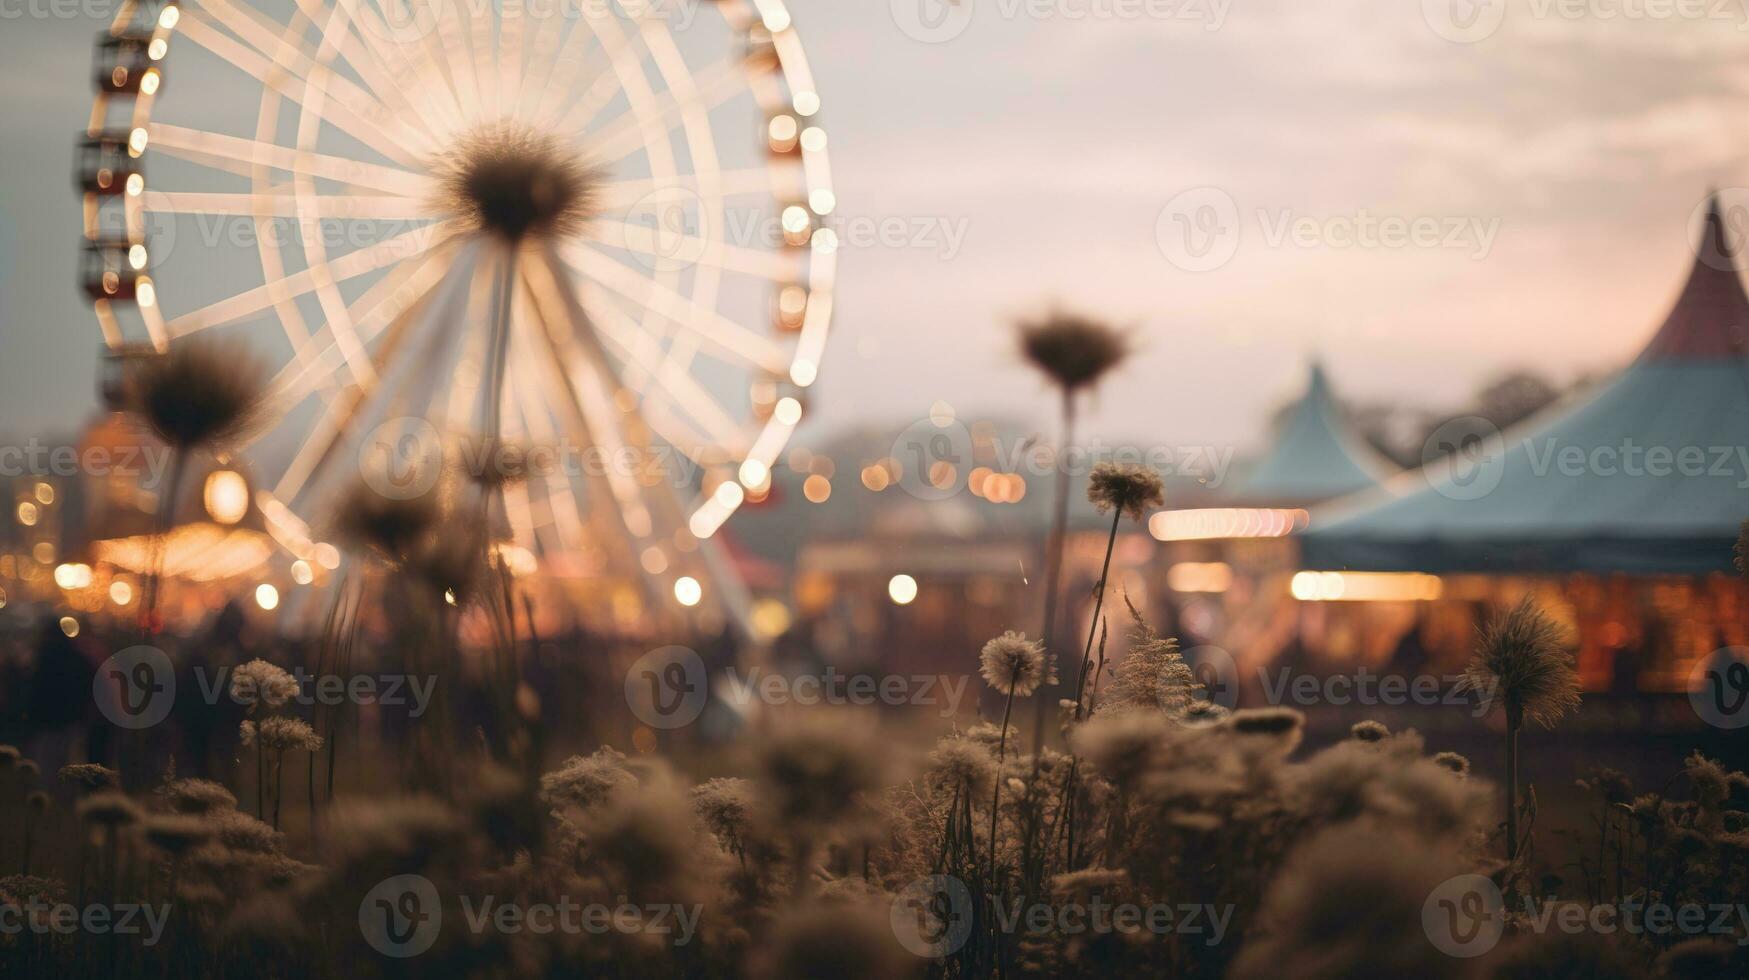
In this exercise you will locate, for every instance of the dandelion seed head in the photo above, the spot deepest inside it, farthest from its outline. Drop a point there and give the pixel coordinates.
(1129, 488)
(197, 796)
(1073, 351)
(1368, 731)
(90, 776)
(514, 183)
(587, 781)
(176, 835)
(962, 765)
(1522, 664)
(260, 682)
(200, 393)
(1012, 664)
(1454, 762)
(109, 809)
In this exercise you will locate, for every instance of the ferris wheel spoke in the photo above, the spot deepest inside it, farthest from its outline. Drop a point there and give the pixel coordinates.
(743, 182)
(678, 388)
(279, 78)
(283, 203)
(681, 250)
(200, 146)
(722, 333)
(384, 302)
(634, 130)
(561, 79)
(280, 43)
(586, 382)
(400, 248)
(537, 416)
(382, 65)
(390, 359)
(537, 67)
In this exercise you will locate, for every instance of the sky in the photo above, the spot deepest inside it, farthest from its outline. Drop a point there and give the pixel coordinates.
(1423, 194)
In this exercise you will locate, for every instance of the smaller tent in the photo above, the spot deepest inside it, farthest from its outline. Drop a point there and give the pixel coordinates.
(1316, 455)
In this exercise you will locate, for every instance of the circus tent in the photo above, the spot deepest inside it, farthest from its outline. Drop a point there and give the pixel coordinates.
(1646, 474)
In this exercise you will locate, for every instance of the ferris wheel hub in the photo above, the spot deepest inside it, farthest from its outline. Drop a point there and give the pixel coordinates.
(514, 183)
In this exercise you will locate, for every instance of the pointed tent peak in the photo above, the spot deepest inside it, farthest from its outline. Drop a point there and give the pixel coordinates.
(1710, 319)
(1315, 454)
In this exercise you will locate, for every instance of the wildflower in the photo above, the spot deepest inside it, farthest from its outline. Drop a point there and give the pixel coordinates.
(1121, 746)
(1521, 664)
(451, 565)
(1368, 731)
(643, 835)
(9, 757)
(109, 809)
(1348, 904)
(1204, 712)
(197, 796)
(1128, 488)
(258, 682)
(36, 800)
(28, 771)
(176, 835)
(722, 805)
(1152, 674)
(278, 734)
(585, 782)
(200, 393)
(962, 765)
(1073, 351)
(1014, 665)
(816, 771)
(1263, 735)
(242, 832)
(1276, 722)
(90, 776)
(1453, 761)
(392, 527)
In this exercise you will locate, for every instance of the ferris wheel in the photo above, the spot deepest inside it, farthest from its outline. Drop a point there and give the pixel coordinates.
(594, 227)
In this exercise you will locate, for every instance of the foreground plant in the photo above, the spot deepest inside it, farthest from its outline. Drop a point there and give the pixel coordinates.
(199, 396)
(1074, 353)
(1522, 667)
(1124, 489)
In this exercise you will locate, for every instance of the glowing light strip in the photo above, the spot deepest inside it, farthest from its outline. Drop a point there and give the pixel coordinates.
(1365, 587)
(1228, 522)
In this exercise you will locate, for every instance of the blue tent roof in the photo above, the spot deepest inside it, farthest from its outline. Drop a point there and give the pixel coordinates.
(1649, 474)
(1315, 456)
